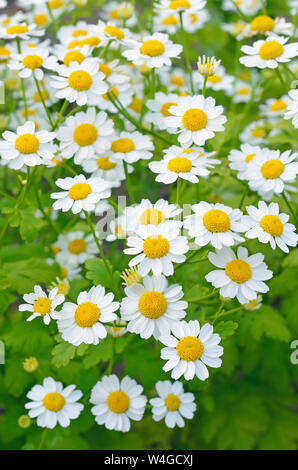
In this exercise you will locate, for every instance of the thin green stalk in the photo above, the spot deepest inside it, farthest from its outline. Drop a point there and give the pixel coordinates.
(60, 114)
(46, 216)
(178, 190)
(105, 49)
(278, 73)
(199, 299)
(43, 102)
(244, 194)
(204, 86)
(43, 439)
(289, 206)
(55, 24)
(153, 82)
(111, 363)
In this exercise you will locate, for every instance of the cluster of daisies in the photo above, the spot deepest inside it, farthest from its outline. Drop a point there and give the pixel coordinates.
(88, 108)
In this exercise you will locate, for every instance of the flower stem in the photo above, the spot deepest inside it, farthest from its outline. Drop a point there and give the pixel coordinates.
(55, 24)
(43, 439)
(243, 196)
(43, 102)
(204, 86)
(278, 73)
(289, 206)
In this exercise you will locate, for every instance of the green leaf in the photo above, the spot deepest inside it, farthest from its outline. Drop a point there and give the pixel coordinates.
(97, 272)
(226, 328)
(291, 261)
(28, 224)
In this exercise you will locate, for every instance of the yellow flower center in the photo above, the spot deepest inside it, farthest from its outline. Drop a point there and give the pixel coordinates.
(118, 402)
(258, 132)
(249, 157)
(152, 304)
(123, 145)
(80, 80)
(114, 14)
(105, 69)
(180, 165)
(272, 169)
(153, 48)
(272, 224)
(40, 19)
(30, 364)
(115, 92)
(165, 108)
(262, 23)
(79, 191)
(36, 96)
(177, 80)
(243, 91)
(114, 32)
(170, 20)
(238, 270)
(156, 246)
(73, 56)
(4, 51)
(278, 105)
(64, 272)
(194, 119)
(105, 164)
(216, 220)
(63, 287)
(136, 105)
(152, 216)
(85, 134)
(214, 79)
(92, 41)
(32, 62)
(87, 314)
(18, 29)
(42, 306)
(193, 18)
(77, 246)
(172, 402)
(55, 249)
(79, 32)
(175, 4)
(270, 50)
(27, 144)
(54, 401)
(190, 348)
(55, 4)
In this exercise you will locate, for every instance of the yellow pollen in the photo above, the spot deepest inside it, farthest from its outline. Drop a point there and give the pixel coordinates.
(79, 32)
(249, 157)
(136, 105)
(152, 304)
(79, 191)
(40, 19)
(271, 50)
(258, 132)
(170, 20)
(123, 145)
(18, 29)
(63, 288)
(54, 401)
(152, 216)
(87, 314)
(114, 32)
(214, 79)
(85, 134)
(272, 169)
(175, 4)
(194, 119)
(119, 231)
(262, 23)
(180, 165)
(153, 48)
(131, 276)
(80, 80)
(243, 91)
(55, 249)
(92, 41)
(172, 402)
(30, 364)
(4, 51)
(75, 43)
(118, 402)
(27, 144)
(42, 306)
(278, 105)
(36, 96)
(193, 18)
(165, 108)
(190, 348)
(238, 270)
(272, 224)
(156, 246)
(73, 56)
(177, 80)
(55, 4)
(64, 272)
(77, 246)
(105, 69)
(188, 151)
(115, 92)
(32, 62)
(114, 14)
(216, 220)
(105, 164)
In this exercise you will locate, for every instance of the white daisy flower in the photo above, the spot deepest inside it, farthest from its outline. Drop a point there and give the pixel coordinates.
(240, 276)
(219, 81)
(80, 193)
(270, 170)
(32, 61)
(195, 119)
(173, 78)
(274, 107)
(172, 6)
(116, 230)
(270, 226)
(242, 92)
(131, 147)
(77, 54)
(216, 224)
(102, 167)
(240, 159)
(157, 248)
(147, 213)
(153, 51)
(248, 7)
(80, 35)
(254, 304)
(166, 22)
(187, 164)
(159, 109)
(255, 133)
(50, 403)
(20, 30)
(153, 307)
(192, 22)
(190, 349)
(41, 304)
(115, 74)
(85, 134)
(116, 331)
(83, 322)
(264, 24)
(173, 404)
(118, 13)
(292, 109)
(80, 83)
(117, 402)
(26, 146)
(114, 33)
(75, 248)
(269, 53)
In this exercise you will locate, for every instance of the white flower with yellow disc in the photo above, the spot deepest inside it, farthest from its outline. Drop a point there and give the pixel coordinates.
(159, 109)
(75, 248)
(264, 24)
(240, 159)
(32, 61)
(292, 109)
(41, 304)
(177, 6)
(131, 147)
(242, 92)
(103, 167)
(19, 30)
(275, 107)
(269, 53)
